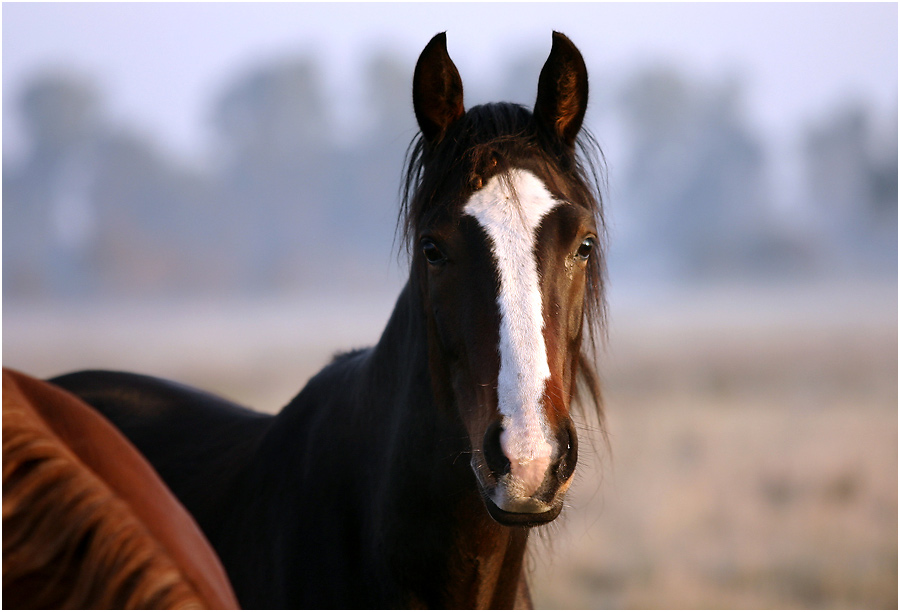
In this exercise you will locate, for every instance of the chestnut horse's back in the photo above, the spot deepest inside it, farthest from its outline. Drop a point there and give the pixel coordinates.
(87, 523)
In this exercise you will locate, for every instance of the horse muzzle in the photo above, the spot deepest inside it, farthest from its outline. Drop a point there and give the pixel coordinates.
(525, 491)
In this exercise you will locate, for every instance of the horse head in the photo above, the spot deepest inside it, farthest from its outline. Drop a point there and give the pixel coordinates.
(505, 229)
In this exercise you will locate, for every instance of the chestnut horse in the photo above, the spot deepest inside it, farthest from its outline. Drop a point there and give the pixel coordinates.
(87, 523)
(409, 474)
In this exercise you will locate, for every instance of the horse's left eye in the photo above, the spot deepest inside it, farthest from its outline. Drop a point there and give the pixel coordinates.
(584, 249)
(432, 253)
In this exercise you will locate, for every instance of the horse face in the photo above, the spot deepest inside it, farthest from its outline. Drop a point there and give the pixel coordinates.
(504, 293)
(503, 267)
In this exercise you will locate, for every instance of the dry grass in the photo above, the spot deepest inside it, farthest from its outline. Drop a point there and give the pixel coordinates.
(754, 465)
(753, 434)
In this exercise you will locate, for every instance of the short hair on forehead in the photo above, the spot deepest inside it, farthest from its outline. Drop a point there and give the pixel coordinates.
(494, 139)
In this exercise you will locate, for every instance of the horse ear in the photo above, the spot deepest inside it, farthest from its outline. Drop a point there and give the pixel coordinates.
(437, 90)
(562, 91)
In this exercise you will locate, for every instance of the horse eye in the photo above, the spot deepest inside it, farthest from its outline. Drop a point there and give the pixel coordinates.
(432, 253)
(584, 249)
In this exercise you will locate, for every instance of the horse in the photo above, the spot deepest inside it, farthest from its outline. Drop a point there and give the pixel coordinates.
(410, 473)
(87, 523)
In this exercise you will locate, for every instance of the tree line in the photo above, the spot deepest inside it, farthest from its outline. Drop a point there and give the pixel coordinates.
(98, 209)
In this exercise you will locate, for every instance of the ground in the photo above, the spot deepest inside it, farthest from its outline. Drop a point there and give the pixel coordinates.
(752, 463)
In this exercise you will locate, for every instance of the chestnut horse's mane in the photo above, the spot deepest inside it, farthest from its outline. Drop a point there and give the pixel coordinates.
(70, 539)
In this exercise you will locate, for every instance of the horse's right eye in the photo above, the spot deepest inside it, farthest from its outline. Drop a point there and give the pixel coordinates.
(433, 254)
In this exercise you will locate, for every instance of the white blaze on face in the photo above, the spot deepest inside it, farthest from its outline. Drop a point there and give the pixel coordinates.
(510, 217)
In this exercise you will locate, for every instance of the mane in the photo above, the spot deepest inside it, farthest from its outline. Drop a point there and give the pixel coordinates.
(506, 134)
(75, 536)
(68, 540)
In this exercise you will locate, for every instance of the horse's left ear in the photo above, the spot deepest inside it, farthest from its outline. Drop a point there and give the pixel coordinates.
(562, 91)
(437, 90)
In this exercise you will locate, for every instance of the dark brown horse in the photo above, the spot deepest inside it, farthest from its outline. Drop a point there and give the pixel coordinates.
(409, 474)
(87, 523)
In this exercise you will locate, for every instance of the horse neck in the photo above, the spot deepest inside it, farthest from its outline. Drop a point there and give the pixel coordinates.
(481, 559)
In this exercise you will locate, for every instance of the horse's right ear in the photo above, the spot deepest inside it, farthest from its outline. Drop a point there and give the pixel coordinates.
(437, 90)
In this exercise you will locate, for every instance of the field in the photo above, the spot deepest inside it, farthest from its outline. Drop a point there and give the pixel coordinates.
(752, 457)
(753, 461)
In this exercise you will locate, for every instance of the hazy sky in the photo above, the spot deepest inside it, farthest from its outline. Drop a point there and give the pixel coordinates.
(160, 65)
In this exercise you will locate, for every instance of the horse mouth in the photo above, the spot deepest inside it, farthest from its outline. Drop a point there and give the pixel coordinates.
(533, 513)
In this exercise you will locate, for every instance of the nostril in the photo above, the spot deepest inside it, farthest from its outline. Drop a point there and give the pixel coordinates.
(493, 453)
(569, 457)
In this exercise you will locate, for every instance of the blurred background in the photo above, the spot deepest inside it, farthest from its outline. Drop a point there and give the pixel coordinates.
(208, 192)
